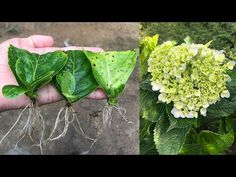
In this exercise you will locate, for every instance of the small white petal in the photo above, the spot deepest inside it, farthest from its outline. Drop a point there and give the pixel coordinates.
(198, 93)
(203, 111)
(191, 106)
(194, 50)
(225, 94)
(190, 114)
(195, 114)
(205, 105)
(177, 113)
(219, 56)
(179, 105)
(162, 88)
(231, 64)
(155, 86)
(183, 67)
(162, 97)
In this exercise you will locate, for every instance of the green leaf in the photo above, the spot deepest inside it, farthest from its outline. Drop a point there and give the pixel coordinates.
(25, 70)
(169, 142)
(209, 43)
(75, 81)
(188, 40)
(214, 143)
(232, 74)
(112, 70)
(146, 84)
(12, 91)
(225, 107)
(191, 146)
(33, 70)
(191, 149)
(14, 54)
(179, 122)
(42, 80)
(68, 83)
(147, 45)
(149, 108)
(147, 145)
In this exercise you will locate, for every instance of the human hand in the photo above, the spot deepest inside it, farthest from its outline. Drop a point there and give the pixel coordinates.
(47, 94)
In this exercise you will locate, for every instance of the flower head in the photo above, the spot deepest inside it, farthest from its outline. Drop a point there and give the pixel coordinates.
(192, 76)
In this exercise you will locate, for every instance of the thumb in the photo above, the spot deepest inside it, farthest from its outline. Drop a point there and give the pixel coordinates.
(40, 41)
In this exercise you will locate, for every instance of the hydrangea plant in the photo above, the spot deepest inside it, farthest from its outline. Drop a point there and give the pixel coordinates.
(187, 98)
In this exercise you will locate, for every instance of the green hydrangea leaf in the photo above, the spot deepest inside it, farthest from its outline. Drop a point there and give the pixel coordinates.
(75, 81)
(147, 45)
(149, 108)
(12, 91)
(32, 70)
(112, 70)
(214, 143)
(147, 145)
(179, 122)
(169, 142)
(192, 149)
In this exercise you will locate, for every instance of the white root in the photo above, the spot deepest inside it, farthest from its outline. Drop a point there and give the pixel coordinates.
(122, 112)
(107, 120)
(80, 127)
(9, 131)
(106, 116)
(69, 113)
(34, 114)
(39, 115)
(23, 131)
(58, 120)
(31, 116)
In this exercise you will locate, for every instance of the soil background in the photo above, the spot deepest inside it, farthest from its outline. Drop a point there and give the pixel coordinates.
(121, 138)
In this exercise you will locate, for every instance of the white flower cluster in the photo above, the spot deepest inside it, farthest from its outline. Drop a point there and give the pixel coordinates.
(192, 76)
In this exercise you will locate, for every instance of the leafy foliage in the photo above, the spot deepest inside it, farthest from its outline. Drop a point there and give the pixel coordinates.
(223, 34)
(147, 141)
(169, 142)
(214, 143)
(32, 70)
(112, 70)
(12, 91)
(75, 80)
(147, 45)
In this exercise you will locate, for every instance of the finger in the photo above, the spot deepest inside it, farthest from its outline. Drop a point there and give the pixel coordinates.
(45, 50)
(52, 49)
(98, 94)
(16, 103)
(48, 94)
(39, 41)
(92, 49)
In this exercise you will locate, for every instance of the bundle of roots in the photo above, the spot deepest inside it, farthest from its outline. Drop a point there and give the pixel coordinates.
(30, 126)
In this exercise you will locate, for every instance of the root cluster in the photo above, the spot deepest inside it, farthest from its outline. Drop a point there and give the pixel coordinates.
(35, 124)
(34, 115)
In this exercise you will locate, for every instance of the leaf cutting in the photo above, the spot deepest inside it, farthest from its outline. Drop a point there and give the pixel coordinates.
(112, 70)
(75, 81)
(32, 71)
